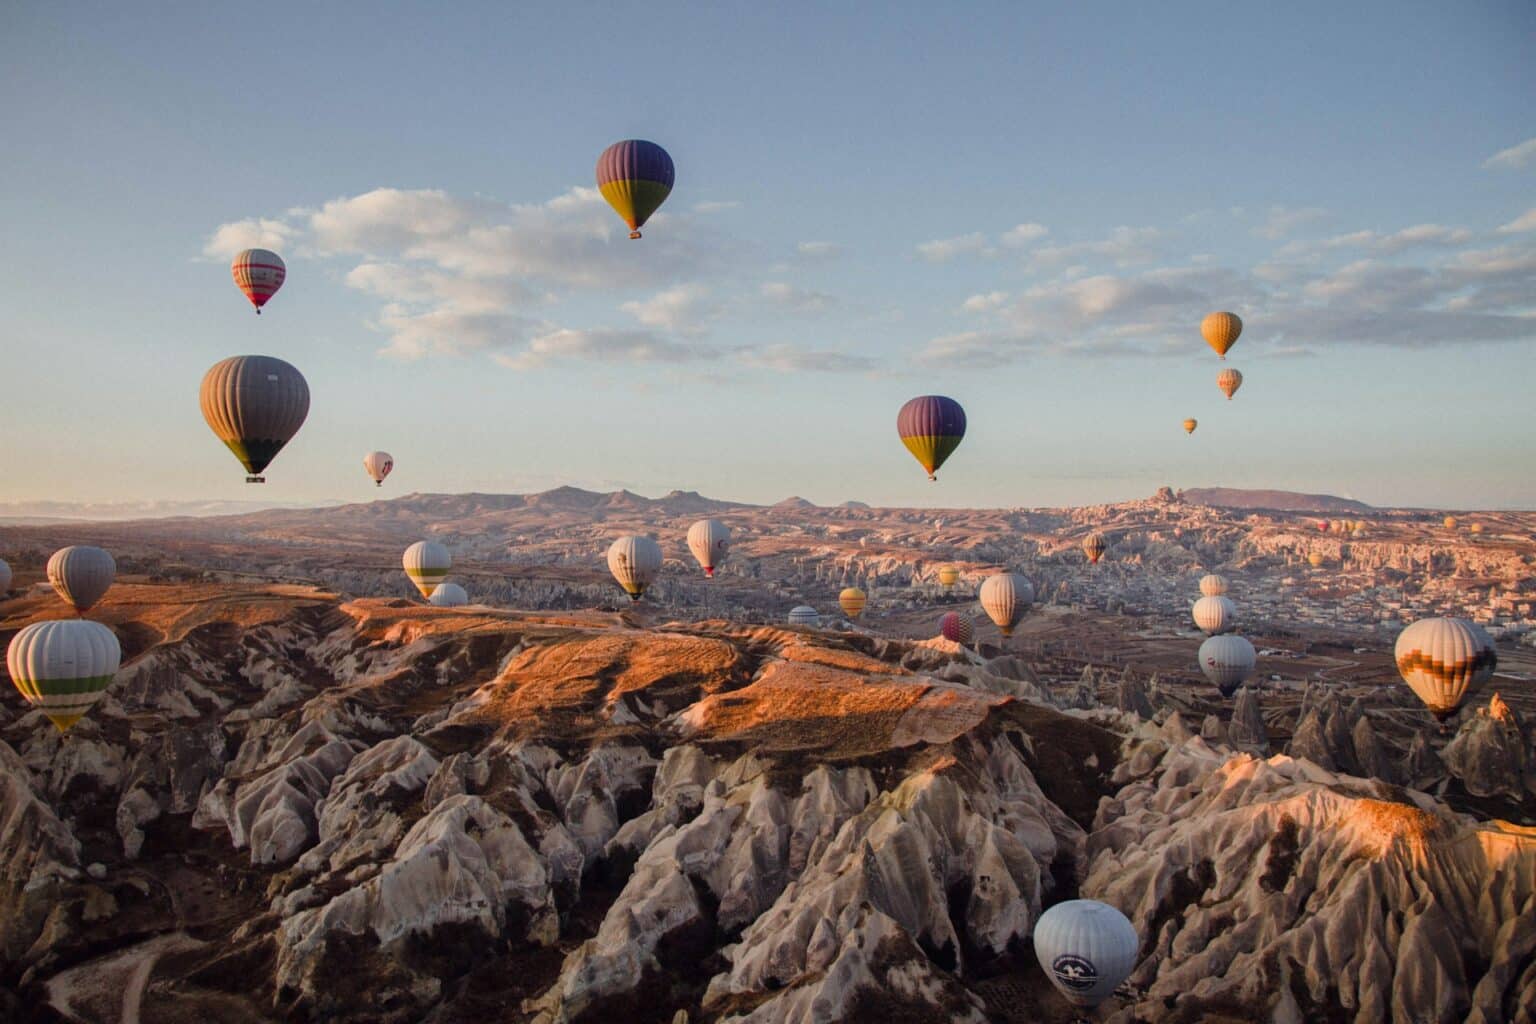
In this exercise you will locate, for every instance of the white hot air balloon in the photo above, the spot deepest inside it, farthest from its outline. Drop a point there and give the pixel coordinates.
(378, 466)
(62, 667)
(81, 575)
(5, 576)
(449, 595)
(1213, 585)
(1227, 660)
(710, 542)
(427, 563)
(804, 615)
(1005, 598)
(1445, 661)
(1215, 615)
(1086, 948)
(635, 562)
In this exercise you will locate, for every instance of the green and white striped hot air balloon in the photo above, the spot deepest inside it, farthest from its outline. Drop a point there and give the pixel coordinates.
(427, 563)
(63, 667)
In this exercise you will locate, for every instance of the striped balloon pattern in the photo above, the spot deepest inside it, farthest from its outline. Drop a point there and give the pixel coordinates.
(1229, 380)
(1215, 615)
(426, 564)
(957, 628)
(635, 562)
(259, 273)
(1445, 661)
(255, 405)
(1094, 547)
(1005, 598)
(63, 667)
(1086, 948)
(448, 595)
(1220, 331)
(804, 615)
(1227, 660)
(852, 601)
(948, 577)
(635, 177)
(81, 575)
(1213, 585)
(932, 427)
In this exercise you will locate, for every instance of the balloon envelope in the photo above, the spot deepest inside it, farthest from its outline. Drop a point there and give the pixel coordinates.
(635, 562)
(957, 628)
(63, 667)
(1227, 660)
(255, 405)
(378, 466)
(852, 600)
(1005, 598)
(710, 542)
(1190, 425)
(81, 575)
(1086, 948)
(1315, 559)
(932, 427)
(1094, 547)
(1215, 615)
(259, 273)
(949, 576)
(1229, 380)
(804, 615)
(635, 177)
(1213, 585)
(449, 595)
(1444, 661)
(1220, 331)
(426, 563)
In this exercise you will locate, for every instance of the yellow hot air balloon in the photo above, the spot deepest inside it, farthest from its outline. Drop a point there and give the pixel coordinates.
(1450, 522)
(1094, 546)
(1220, 331)
(1229, 380)
(1476, 528)
(1190, 425)
(1315, 559)
(948, 577)
(852, 600)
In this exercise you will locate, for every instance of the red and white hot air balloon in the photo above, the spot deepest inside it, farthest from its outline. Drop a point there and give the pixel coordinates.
(259, 273)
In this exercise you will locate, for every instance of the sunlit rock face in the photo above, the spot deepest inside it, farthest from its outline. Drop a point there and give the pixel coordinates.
(295, 807)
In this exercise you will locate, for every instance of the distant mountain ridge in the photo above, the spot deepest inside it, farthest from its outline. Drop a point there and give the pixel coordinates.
(1282, 501)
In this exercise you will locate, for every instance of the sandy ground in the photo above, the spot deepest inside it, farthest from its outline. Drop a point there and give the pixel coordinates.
(112, 988)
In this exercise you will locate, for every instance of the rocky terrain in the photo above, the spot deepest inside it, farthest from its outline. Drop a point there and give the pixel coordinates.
(299, 805)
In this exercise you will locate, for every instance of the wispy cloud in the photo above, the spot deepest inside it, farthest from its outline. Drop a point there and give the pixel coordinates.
(1023, 234)
(715, 205)
(566, 345)
(942, 250)
(257, 233)
(1280, 221)
(788, 298)
(819, 250)
(1521, 154)
(791, 359)
(1525, 222)
(686, 309)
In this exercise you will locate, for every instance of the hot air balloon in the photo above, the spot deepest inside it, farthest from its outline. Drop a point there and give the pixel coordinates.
(259, 273)
(1005, 598)
(1229, 380)
(948, 577)
(1450, 522)
(635, 177)
(1086, 948)
(1212, 585)
(804, 615)
(1476, 528)
(449, 595)
(957, 628)
(378, 466)
(63, 667)
(1215, 615)
(81, 575)
(5, 576)
(427, 563)
(634, 561)
(851, 600)
(1322, 525)
(932, 427)
(1227, 660)
(255, 404)
(1444, 661)
(710, 542)
(1315, 559)
(1094, 547)
(1220, 331)
(1190, 425)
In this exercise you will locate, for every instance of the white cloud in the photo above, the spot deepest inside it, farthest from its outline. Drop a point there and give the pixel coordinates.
(567, 344)
(1525, 222)
(1125, 246)
(685, 309)
(256, 233)
(1024, 234)
(414, 335)
(715, 205)
(985, 302)
(790, 299)
(941, 250)
(819, 250)
(1282, 220)
(789, 359)
(1514, 157)
(1417, 236)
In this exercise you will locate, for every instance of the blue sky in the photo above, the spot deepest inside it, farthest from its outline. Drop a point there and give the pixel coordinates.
(1026, 210)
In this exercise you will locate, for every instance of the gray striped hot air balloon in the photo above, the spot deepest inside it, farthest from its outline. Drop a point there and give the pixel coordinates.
(1005, 598)
(804, 615)
(710, 542)
(427, 563)
(1215, 615)
(1445, 661)
(449, 595)
(255, 405)
(1086, 948)
(635, 562)
(1227, 660)
(1213, 585)
(81, 575)
(63, 667)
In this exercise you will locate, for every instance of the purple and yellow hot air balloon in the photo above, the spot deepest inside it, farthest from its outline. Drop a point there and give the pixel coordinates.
(635, 177)
(932, 427)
